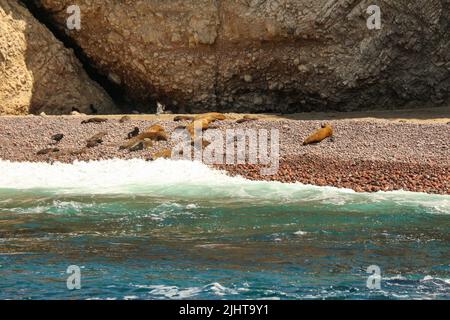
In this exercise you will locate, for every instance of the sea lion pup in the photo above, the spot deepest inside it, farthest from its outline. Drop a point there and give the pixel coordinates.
(247, 118)
(165, 154)
(202, 123)
(95, 140)
(124, 119)
(183, 118)
(142, 145)
(321, 134)
(133, 133)
(94, 120)
(47, 151)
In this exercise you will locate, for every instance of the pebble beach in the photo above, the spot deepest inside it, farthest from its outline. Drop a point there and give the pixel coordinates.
(366, 155)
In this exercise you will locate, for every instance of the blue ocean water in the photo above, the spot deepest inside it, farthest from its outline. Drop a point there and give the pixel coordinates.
(178, 230)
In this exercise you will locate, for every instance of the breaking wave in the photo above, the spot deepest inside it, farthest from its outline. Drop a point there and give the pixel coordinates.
(187, 179)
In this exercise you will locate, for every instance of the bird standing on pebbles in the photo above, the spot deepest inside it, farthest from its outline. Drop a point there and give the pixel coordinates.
(57, 137)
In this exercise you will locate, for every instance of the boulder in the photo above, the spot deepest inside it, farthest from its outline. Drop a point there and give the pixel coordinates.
(38, 74)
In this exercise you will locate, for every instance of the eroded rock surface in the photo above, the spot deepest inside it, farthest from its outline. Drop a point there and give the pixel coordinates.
(38, 74)
(267, 55)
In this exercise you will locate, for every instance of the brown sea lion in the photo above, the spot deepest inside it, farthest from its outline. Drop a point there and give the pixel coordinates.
(321, 134)
(211, 115)
(95, 140)
(155, 128)
(200, 123)
(183, 118)
(124, 119)
(247, 118)
(94, 120)
(133, 133)
(165, 154)
(153, 136)
(141, 145)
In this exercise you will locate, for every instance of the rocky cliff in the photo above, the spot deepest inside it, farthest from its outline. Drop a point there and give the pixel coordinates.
(265, 55)
(38, 74)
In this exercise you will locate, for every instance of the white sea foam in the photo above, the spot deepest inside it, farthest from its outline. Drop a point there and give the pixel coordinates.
(174, 292)
(188, 179)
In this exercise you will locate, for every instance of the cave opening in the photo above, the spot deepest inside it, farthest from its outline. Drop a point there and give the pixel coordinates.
(114, 90)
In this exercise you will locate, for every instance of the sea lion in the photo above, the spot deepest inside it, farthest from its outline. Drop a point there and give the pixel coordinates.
(211, 115)
(183, 118)
(247, 118)
(94, 120)
(57, 137)
(152, 136)
(155, 128)
(200, 123)
(165, 154)
(47, 151)
(321, 134)
(124, 119)
(141, 145)
(95, 140)
(133, 133)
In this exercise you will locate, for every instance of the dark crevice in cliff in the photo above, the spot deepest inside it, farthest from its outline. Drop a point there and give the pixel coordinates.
(116, 92)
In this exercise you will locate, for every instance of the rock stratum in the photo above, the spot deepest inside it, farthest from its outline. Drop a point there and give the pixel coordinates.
(264, 55)
(38, 74)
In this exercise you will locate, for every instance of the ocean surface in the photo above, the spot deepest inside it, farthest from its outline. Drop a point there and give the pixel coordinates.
(179, 230)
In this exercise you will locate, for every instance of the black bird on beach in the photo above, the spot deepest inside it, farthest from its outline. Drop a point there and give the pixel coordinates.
(57, 137)
(133, 133)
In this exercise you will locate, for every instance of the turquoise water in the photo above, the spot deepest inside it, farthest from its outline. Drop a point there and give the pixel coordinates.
(177, 230)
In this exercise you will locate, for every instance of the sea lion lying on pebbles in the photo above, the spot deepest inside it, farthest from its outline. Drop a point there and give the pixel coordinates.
(155, 128)
(133, 133)
(124, 119)
(201, 123)
(47, 151)
(153, 133)
(142, 145)
(321, 134)
(165, 154)
(95, 140)
(213, 116)
(247, 119)
(94, 120)
(183, 118)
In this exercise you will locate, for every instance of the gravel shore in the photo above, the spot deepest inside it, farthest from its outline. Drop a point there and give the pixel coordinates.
(364, 155)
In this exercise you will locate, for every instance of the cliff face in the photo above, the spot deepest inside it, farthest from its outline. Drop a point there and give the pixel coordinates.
(38, 74)
(264, 55)
(261, 55)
